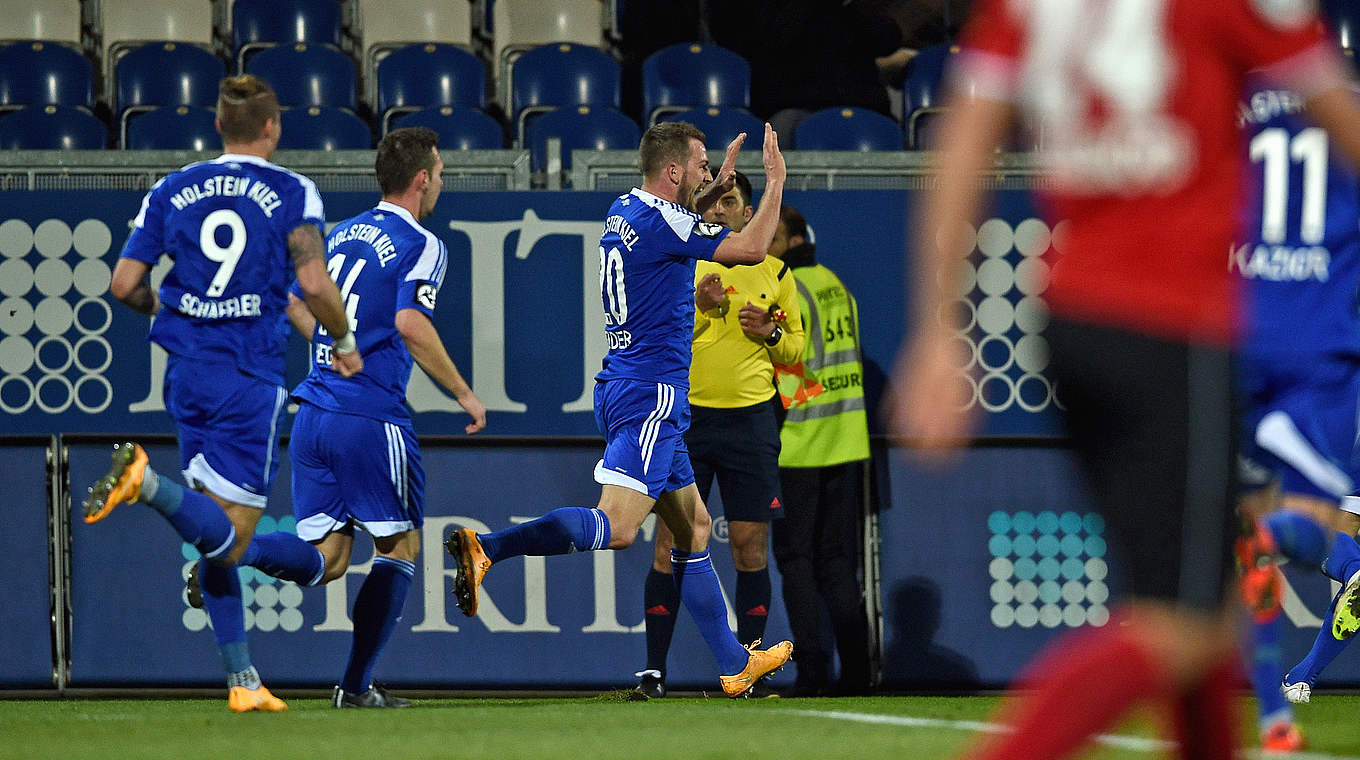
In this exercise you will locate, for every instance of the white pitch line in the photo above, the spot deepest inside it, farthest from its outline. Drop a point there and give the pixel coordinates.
(1120, 741)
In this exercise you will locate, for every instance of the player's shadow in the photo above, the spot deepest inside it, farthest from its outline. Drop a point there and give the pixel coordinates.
(910, 658)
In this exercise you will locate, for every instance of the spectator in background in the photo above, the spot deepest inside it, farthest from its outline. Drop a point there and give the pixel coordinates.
(806, 55)
(824, 444)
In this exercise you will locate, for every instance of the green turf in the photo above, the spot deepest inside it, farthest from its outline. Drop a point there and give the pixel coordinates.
(501, 729)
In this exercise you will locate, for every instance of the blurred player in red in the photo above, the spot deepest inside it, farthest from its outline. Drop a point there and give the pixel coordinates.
(1136, 102)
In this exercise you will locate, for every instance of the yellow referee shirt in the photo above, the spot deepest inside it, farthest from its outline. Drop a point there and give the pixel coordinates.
(730, 368)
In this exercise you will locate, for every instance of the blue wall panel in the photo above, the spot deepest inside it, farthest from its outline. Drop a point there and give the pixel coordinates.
(25, 628)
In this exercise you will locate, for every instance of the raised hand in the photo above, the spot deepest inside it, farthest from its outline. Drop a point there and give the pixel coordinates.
(773, 159)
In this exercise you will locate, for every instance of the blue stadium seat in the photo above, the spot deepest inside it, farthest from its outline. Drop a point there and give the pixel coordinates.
(691, 75)
(923, 90)
(580, 128)
(317, 128)
(847, 129)
(307, 75)
(165, 74)
(421, 75)
(172, 128)
(562, 74)
(42, 73)
(52, 128)
(721, 125)
(458, 128)
(257, 23)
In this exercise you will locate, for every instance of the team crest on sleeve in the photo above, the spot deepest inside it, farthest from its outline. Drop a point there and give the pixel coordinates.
(708, 229)
(425, 294)
(1286, 14)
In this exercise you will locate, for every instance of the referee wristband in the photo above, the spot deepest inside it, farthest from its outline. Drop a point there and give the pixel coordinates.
(346, 344)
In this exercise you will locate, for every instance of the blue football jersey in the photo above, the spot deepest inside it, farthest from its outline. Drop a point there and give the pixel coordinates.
(225, 225)
(647, 256)
(1301, 261)
(383, 261)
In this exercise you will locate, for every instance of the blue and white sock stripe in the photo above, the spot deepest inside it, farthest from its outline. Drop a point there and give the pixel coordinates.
(396, 462)
(405, 567)
(693, 559)
(598, 541)
(225, 547)
(665, 401)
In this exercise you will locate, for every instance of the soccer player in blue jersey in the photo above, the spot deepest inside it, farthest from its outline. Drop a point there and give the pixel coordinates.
(355, 456)
(652, 238)
(230, 226)
(1302, 375)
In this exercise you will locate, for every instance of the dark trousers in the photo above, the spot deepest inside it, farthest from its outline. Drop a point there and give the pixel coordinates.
(815, 546)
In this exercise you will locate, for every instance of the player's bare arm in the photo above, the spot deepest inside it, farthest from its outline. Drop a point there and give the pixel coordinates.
(749, 245)
(302, 318)
(423, 341)
(726, 179)
(323, 297)
(131, 284)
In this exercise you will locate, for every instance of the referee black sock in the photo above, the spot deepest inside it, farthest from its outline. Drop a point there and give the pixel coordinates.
(660, 601)
(753, 604)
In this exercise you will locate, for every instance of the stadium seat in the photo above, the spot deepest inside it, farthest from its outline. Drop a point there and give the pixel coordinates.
(57, 20)
(580, 128)
(458, 128)
(172, 128)
(166, 74)
(721, 125)
(690, 75)
(430, 74)
(316, 128)
(562, 74)
(307, 75)
(385, 22)
(132, 22)
(922, 91)
(518, 25)
(52, 128)
(261, 23)
(43, 73)
(847, 129)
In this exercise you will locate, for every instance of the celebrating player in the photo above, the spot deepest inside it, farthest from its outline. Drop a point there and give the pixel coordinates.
(651, 241)
(229, 225)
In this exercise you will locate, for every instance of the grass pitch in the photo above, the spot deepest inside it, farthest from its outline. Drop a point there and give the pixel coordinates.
(598, 728)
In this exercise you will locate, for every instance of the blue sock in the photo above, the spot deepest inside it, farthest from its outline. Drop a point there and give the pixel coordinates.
(195, 516)
(377, 609)
(702, 596)
(561, 531)
(286, 557)
(1325, 649)
(222, 599)
(1299, 537)
(1272, 707)
(1344, 559)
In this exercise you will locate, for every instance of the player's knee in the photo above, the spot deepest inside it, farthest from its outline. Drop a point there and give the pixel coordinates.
(749, 557)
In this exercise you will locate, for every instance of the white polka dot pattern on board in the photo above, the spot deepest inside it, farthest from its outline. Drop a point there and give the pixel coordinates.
(270, 604)
(1047, 569)
(54, 313)
(1001, 315)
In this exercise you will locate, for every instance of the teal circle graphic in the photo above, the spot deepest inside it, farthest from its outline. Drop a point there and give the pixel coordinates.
(1073, 568)
(266, 524)
(1023, 545)
(1046, 522)
(247, 596)
(188, 551)
(1095, 546)
(1095, 524)
(1022, 522)
(288, 524)
(1048, 545)
(1049, 592)
(998, 522)
(1049, 569)
(1071, 545)
(1070, 522)
(999, 546)
(1025, 569)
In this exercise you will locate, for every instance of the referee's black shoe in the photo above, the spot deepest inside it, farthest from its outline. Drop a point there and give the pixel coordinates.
(376, 696)
(653, 684)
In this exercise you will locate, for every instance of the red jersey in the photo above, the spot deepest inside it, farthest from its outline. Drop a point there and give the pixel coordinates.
(1137, 103)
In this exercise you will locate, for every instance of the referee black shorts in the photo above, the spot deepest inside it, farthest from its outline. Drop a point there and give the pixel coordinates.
(740, 448)
(1153, 422)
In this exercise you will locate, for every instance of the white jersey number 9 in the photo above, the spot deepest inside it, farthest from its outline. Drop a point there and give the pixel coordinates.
(225, 256)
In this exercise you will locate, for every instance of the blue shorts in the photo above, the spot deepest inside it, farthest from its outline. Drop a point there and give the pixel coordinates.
(228, 427)
(350, 467)
(1302, 423)
(643, 425)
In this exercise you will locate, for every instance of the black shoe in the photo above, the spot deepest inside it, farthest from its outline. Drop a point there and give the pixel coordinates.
(762, 690)
(376, 696)
(653, 685)
(193, 591)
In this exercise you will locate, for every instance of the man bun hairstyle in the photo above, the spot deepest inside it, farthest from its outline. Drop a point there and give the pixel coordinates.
(401, 156)
(666, 142)
(244, 104)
